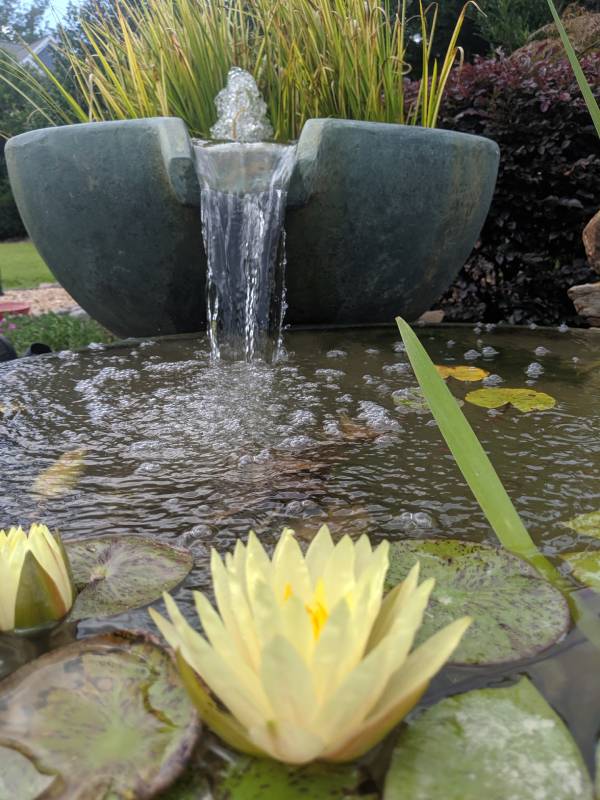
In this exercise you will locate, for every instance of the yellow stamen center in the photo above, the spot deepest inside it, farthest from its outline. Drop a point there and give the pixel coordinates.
(316, 609)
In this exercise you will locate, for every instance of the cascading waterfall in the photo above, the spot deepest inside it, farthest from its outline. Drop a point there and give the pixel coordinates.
(243, 198)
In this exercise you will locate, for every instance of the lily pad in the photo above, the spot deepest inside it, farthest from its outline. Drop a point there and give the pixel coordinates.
(464, 373)
(517, 614)
(118, 573)
(490, 743)
(524, 400)
(254, 779)
(103, 717)
(585, 567)
(61, 477)
(586, 524)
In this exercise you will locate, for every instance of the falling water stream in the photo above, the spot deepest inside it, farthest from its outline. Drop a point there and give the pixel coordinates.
(243, 197)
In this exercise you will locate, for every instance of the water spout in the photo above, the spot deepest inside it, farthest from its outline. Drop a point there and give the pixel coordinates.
(243, 198)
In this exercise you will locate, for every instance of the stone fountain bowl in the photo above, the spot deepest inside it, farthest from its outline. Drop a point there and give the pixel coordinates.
(380, 219)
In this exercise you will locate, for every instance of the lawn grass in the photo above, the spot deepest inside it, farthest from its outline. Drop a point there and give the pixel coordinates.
(22, 267)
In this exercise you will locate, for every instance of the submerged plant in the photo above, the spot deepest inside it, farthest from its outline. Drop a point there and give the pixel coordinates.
(310, 58)
(35, 579)
(307, 657)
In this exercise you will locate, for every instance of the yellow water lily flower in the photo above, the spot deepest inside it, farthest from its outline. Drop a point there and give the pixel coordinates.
(308, 659)
(36, 588)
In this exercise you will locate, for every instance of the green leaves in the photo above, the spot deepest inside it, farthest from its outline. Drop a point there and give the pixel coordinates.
(118, 573)
(468, 452)
(586, 524)
(490, 743)
(524, 400)
(253, 779)
(101, 718)
(516, 613)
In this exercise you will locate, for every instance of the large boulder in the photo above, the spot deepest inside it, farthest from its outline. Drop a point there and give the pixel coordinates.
(591, 240)
(586, 299)
(582, 26)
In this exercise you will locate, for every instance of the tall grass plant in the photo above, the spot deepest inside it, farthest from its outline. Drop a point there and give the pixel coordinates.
(311, 58)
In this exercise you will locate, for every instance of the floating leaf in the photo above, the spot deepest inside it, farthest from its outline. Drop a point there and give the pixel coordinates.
(585, 567)
(516, 613)
(117, 573)
(356, 431)
(522, 399)
(496, 744)
(60, 477)
(253, 779)
(104, 717)
(465, 374)
(586, 524)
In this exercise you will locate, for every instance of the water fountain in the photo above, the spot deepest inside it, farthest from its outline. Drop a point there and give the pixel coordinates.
(244, 186)
(379, 219)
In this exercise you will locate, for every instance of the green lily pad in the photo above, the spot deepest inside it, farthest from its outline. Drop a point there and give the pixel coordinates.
(585, 567)
(516, 613)
(114, 574)
(524, 400)
(254, 779)
(103, 717)
(586, 524)
(496, 744)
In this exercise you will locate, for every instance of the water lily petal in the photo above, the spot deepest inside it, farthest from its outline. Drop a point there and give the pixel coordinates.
(289, 569)
(287, 683)
(288, 743)
(338, 576)
(392, 605)
(318, 553)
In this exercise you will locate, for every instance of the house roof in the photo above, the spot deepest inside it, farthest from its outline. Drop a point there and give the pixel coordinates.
(20, 53)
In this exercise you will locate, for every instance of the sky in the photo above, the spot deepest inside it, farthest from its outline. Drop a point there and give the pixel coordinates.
(56, 10)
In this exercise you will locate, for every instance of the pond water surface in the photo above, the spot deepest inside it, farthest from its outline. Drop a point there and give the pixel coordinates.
(196, 453)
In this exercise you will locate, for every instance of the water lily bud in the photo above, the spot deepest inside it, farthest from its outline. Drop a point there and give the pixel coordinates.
(36, 587)
(308, 659)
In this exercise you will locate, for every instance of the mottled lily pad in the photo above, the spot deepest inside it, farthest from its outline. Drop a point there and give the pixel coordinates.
(117, 573)
(586, 524)
(496, 744)
(101, 718)
(61, 477)
(516, 613)
(585, 567)
(524, 400)
(463, 373)
(253, 779)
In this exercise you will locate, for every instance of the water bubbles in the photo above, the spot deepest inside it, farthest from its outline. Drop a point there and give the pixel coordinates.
(149, 468)
(401, 368)
(489, 352)
(296, 443)
(532, 326)
(450, 343)
(330, 375)
(372, 351)
(534, 370)
(345, 398)
(541, 351)
(563, 328)
(337, 354)
(242, 110)
(302, 417)
(490, 327)
(370, 380)
(399, 347)
(478, 330)
(493, 380)
(471, 355)
(376, 416)
(418, 520)
(575, 359)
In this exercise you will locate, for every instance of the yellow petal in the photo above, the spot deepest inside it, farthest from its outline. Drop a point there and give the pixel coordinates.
(287, 742)
(318, 554)
(363, 555)
(289, 568)
(222, 584)
(392, 606)
(287, 683)
(338, 576)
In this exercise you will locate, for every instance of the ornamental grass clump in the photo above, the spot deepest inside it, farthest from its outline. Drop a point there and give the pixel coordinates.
(36, 588)
(307, 658)
(310, 58)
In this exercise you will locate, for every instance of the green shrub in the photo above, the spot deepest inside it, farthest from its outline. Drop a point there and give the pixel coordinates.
(58, 331)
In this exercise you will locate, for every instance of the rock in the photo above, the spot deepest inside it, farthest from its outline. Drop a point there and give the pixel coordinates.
(433, 317)
(583, 28)
(591, 240)
(586, 299)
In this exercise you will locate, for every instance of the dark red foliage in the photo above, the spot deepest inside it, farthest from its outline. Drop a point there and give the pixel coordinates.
(530, 250)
